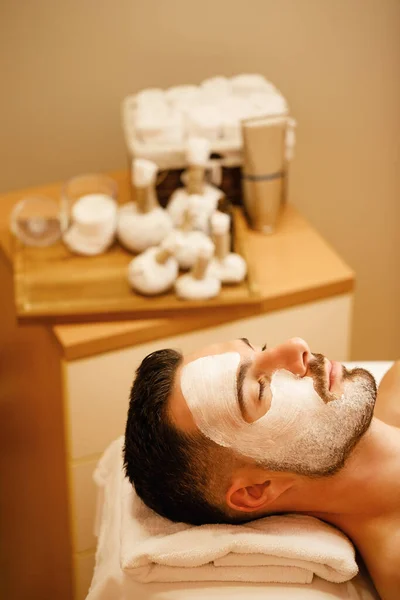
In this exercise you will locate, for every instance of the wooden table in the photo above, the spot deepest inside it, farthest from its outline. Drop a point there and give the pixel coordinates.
(64, 390)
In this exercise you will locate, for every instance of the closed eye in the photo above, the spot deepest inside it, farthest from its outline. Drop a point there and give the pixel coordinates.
(262, 388)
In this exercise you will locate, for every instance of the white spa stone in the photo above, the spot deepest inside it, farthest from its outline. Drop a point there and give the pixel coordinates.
(148, 277)
(139, 231)
(187, 245)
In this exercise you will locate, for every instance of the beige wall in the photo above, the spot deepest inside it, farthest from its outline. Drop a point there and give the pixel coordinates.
(65, 66)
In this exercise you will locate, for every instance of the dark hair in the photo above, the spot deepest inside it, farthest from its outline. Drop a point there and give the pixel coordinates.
(173, 473)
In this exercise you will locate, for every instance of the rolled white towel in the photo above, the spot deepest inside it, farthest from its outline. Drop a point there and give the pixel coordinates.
(214, 88)
(150, 125)
(204, 121)
(247, 83)
(174, 132)
(150, 96)
(182, 96)
(159, 125)
(267, 104)
(233, 109)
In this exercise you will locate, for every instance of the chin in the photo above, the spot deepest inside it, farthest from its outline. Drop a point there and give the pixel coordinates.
(360, 375)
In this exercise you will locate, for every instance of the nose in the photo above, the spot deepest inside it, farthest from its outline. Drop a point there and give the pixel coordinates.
(294, 356)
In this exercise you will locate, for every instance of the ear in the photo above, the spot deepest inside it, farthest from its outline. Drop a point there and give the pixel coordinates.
(251, 496)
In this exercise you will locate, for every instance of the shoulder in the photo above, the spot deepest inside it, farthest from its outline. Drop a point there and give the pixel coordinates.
(387, 406)
(382, 556)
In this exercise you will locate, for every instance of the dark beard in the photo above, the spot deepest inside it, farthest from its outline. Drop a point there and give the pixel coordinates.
(368, 389)
(317, 370)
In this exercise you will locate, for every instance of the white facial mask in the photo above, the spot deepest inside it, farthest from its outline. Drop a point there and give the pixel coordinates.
(299, 432)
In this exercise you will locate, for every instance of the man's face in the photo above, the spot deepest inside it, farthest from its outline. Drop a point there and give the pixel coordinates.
(283, 408)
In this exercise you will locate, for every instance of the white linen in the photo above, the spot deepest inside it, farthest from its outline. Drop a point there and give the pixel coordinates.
(282, 549)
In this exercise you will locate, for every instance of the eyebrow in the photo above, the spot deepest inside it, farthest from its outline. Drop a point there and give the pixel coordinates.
(246, 341)
(244, 367)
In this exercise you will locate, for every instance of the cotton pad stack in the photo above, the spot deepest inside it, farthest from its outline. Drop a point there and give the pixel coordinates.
(93, 225)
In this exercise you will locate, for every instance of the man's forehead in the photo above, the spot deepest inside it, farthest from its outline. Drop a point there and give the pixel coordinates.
(178, 408)
(218, 348)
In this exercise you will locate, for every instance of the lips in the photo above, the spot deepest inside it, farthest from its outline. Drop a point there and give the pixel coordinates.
(330, 378)
(335, 370)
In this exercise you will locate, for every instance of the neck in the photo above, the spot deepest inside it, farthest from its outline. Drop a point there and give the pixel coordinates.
(367, 487)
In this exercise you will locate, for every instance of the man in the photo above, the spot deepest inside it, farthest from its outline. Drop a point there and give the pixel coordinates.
(236, 432)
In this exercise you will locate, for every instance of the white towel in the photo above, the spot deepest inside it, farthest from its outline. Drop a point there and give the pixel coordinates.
(278, 549)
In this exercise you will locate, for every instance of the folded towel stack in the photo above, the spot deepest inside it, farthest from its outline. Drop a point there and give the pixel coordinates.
(281, 549)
